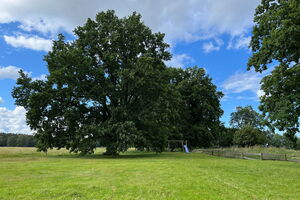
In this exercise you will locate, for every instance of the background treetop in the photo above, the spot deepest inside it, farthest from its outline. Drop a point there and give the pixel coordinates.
(244, 116)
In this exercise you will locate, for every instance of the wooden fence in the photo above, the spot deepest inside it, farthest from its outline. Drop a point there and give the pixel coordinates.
(249, 156)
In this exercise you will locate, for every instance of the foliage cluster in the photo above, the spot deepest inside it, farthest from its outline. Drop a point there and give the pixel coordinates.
(249, 136)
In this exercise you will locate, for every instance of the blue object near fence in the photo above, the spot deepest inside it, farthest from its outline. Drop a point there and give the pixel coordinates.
(186, 149)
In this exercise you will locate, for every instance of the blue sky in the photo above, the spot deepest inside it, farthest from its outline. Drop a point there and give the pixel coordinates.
(210, 34)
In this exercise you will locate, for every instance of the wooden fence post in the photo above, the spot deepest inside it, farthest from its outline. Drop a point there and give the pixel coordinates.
(261, 156)
(242, 154)
(285, 157)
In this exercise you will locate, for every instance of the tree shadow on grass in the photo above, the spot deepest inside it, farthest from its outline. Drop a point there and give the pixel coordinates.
(123, 156)
(133, 155)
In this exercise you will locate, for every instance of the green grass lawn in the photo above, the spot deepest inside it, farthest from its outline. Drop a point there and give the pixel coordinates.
(26, 174)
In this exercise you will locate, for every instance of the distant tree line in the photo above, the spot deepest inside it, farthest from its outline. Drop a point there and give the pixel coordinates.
(16, 140)
(238, 137)
(247, 129)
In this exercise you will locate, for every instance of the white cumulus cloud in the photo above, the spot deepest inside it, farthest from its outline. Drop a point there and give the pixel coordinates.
(187, 20)
(12, 72)
(9, 72)
(13, 121)
(34, 43)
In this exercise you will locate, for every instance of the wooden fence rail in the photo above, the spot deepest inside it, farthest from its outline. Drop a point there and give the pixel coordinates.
(249, 156)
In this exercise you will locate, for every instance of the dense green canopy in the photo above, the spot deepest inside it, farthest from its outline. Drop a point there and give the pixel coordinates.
(201, 108)
(276, 34)
(276, 41)
(110, 87)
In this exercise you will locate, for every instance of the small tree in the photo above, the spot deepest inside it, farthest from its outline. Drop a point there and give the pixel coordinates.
(249, 136)
(244, 116)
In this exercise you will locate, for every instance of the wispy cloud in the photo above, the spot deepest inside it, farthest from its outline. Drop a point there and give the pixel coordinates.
(209, 47)
(242, 82)
(240, 42)
(247, 98)
(180, 60)
(212, 45)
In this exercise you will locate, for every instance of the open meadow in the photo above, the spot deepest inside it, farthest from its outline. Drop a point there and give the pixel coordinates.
(26, 174)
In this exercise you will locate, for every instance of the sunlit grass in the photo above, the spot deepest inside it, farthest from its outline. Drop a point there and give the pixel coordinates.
(26, 174)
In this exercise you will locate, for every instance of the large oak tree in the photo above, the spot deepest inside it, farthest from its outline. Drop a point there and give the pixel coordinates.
(103, 87)
(111, 87)
(276, 41)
